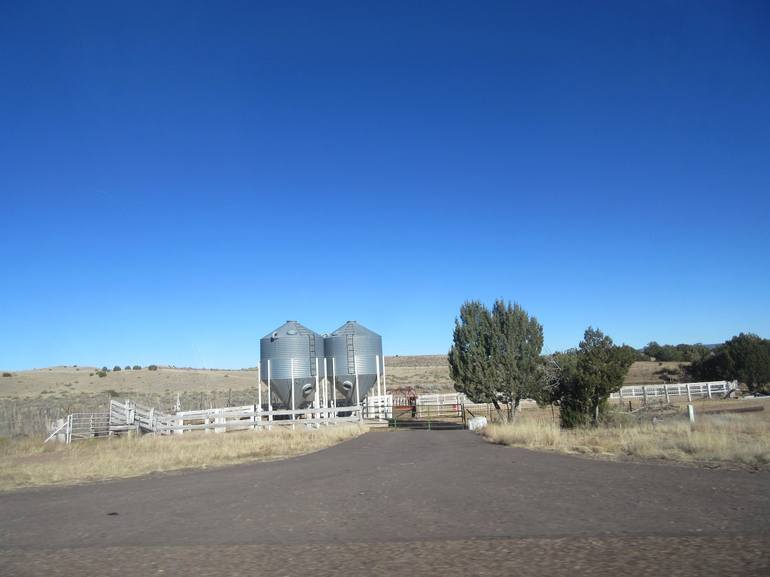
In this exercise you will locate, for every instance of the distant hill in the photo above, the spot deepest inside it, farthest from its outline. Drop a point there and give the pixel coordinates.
(429, 373)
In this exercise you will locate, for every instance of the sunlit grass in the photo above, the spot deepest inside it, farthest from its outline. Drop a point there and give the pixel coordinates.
(29, 462)
(738, 438)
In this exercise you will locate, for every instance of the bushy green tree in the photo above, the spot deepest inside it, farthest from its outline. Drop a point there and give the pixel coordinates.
(517, 344)
(470, 357)
(589, 375)
(676, 353)
(495, 355)
(744, 358)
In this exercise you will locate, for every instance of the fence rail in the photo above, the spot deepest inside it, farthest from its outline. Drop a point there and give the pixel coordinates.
(129, 416)
(707, 390)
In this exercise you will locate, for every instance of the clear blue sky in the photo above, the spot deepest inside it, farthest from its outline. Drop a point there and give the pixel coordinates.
(177, 179)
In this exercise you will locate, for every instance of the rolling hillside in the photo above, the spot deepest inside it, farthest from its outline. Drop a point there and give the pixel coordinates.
(426, 372)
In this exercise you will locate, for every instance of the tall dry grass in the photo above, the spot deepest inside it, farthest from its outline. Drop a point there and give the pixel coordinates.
(735, 438)
(28, 462)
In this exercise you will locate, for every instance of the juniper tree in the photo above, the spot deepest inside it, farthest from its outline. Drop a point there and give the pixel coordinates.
(589, 376)
(745, 358)
(470, 355)
(518, 342)
(495, 355)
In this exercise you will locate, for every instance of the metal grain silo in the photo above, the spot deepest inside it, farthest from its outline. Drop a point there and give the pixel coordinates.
(354, 349)
(292, 343)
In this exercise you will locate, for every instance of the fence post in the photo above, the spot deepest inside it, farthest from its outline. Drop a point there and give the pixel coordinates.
(708, 390)
(61, 437)
(665, 389)
(689, 393)
(620, 396)
(644, 393)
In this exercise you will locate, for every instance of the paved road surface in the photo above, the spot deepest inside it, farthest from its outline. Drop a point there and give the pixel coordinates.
(414, 502)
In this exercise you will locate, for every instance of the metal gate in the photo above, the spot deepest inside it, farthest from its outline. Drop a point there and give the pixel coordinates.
(429, 417)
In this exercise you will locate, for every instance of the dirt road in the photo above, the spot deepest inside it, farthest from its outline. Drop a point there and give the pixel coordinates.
(417, 502)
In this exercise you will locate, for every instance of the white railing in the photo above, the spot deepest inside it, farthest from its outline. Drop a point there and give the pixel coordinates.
(128, 415)
(442, 399)
(378, 407)
(707, 390)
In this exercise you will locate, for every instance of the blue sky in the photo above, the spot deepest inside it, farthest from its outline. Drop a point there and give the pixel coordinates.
(177, 179)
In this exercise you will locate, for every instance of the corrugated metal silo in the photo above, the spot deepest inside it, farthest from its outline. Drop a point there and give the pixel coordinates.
(292, 341)
(354, 348)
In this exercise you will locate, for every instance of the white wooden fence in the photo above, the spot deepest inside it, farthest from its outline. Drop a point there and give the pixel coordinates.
(378, 407)
(707, 390)
(129, 416)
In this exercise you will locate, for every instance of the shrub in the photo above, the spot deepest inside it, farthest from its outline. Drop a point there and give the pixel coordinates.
(102, 374)
(152, 368)
(128, 367)
(137, 368)
(116, 368)
(7, 375)
(105, 370)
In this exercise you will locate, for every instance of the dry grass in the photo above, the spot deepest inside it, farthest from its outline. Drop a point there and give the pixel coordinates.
(28, 462)
(424, 370)
(726, 438)
(649, 372)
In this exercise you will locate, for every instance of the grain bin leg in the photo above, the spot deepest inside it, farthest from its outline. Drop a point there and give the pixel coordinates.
(358, 397)
(269, 400)
(293, 416)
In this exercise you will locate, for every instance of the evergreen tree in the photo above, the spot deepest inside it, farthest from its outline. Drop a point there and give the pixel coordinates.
(470, 356)
(744, 358)
(495, 356)
(589, 376)
(518, 342)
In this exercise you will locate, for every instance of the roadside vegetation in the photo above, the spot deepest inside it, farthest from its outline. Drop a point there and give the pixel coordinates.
(29, 462)
(664, 433)
(496, 357)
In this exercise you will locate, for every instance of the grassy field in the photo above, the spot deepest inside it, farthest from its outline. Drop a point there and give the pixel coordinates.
(715, 437)
(28, 462)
